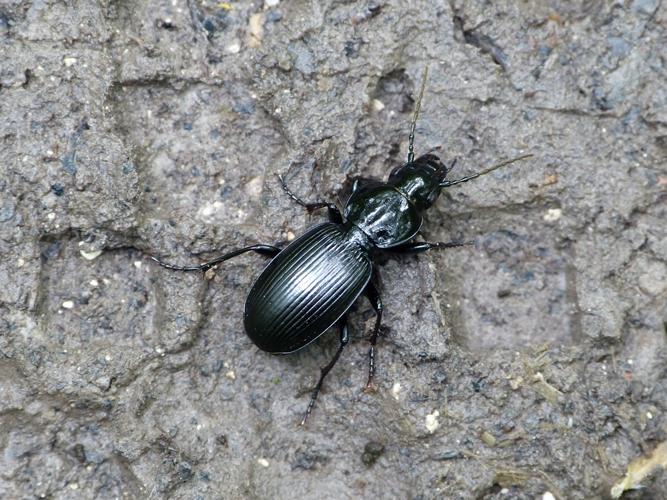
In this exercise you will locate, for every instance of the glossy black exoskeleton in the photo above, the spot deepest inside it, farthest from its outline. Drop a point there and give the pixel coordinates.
(310, 285)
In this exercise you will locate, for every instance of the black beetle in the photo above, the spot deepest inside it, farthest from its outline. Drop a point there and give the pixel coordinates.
(310, 285)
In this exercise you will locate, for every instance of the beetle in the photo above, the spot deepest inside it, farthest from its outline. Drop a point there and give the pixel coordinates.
(310, 285)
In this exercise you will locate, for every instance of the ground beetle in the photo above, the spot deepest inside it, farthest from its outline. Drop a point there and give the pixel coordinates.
(310, 285)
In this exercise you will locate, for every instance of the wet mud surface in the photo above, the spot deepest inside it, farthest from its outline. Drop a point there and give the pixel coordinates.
(534, 362)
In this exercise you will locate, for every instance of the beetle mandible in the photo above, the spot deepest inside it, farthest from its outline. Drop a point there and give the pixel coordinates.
(310, 285)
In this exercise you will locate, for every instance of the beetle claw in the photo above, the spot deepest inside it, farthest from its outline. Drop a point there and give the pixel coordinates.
(370, 388)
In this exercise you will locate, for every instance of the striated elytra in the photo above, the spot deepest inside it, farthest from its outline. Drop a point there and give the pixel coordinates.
(305, 289)
(310, 285)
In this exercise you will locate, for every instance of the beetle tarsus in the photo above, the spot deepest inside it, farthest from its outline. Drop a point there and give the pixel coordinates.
(370, 386)
(174, 267)
(453, 244)
(373, 295)
(333, 211)
(311, 207)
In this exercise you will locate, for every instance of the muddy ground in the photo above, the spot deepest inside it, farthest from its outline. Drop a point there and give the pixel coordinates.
(533, 362)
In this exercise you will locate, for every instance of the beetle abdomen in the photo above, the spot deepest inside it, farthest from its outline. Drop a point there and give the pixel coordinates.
(305, 289)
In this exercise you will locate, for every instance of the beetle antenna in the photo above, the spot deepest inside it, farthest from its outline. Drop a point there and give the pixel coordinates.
(413, 125)
(484, 172)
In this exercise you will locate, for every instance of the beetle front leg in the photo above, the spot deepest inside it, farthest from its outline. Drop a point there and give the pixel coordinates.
(334, 214)
(423, 246)
(344, 339)
(376, 301)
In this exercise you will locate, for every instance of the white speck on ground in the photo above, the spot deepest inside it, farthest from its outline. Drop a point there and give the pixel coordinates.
(432, 421)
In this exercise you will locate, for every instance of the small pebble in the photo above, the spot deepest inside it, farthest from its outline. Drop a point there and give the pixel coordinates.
(263, 462)
(69, 61)
(90, 255)
(234, 48)
(256, 29)
(271, 3)
(395, 389)
(273, 16)
(553, 214)
(211, 24)
(230, 375)
(488, 438)
(290, 236)
(254, 187)
(7, 211)
(207, 211)
(377, 105)
(548, 496)
(432, 421)
(372, 451)
(94, 283)
(68, 304)
(20, 262)
(550, 179)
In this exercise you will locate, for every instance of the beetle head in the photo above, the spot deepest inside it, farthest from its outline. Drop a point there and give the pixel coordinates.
(420, 181)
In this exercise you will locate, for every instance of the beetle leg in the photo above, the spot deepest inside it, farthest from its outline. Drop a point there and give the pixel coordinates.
(334, 214)
(269, 250)
(344, 339)
(423, 246)
(376, 301)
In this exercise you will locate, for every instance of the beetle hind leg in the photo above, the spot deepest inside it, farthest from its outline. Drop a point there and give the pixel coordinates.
(344, 339)
(376, 301)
